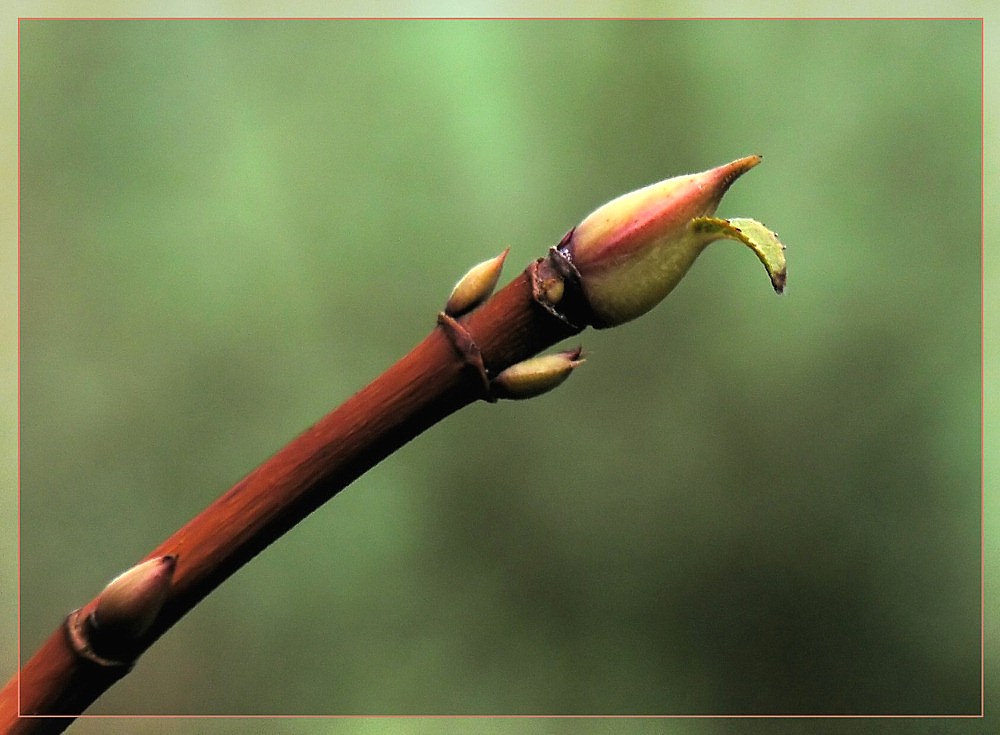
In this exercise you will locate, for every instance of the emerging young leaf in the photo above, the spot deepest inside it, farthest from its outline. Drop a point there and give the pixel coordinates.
(754, 235)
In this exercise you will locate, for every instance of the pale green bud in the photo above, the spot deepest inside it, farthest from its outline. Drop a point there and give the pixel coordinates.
(475, 286)
(536, 375)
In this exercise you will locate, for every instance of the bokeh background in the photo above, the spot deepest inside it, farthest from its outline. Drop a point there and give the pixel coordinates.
(742, 504)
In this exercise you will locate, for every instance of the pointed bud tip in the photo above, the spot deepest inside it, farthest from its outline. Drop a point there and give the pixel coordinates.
(727, 174)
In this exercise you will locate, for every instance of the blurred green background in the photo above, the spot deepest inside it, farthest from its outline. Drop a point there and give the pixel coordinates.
(742, 504)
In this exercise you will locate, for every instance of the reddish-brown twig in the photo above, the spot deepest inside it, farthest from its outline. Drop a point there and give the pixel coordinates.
(617, 264)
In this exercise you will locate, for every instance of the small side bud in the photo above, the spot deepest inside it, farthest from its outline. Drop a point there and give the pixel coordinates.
(535, 376)
(130, 603)
(475, 286)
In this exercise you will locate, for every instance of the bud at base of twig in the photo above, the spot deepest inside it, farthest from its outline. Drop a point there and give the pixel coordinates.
(122, 613)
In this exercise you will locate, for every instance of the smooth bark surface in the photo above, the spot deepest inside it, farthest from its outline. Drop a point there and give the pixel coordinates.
(449, 369)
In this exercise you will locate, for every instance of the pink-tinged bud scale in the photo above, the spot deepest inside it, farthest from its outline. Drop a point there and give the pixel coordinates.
(631, 252)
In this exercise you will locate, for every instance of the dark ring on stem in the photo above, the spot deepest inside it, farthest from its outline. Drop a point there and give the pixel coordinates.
(468, 350)
(556, 287)
(78, 631)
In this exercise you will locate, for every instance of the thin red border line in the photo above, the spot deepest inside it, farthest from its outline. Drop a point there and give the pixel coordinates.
(17, 553)
(489, 17)
(982, 380)
(982, 371)
(982, 678)
(512, 717)
(982, 357)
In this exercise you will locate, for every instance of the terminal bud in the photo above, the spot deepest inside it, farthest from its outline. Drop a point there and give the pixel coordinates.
(631, 252)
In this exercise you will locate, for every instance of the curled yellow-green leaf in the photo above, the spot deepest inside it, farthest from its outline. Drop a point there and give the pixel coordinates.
(754, 235)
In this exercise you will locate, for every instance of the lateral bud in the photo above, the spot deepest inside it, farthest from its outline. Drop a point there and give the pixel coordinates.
(475, 286)
(536, 375)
